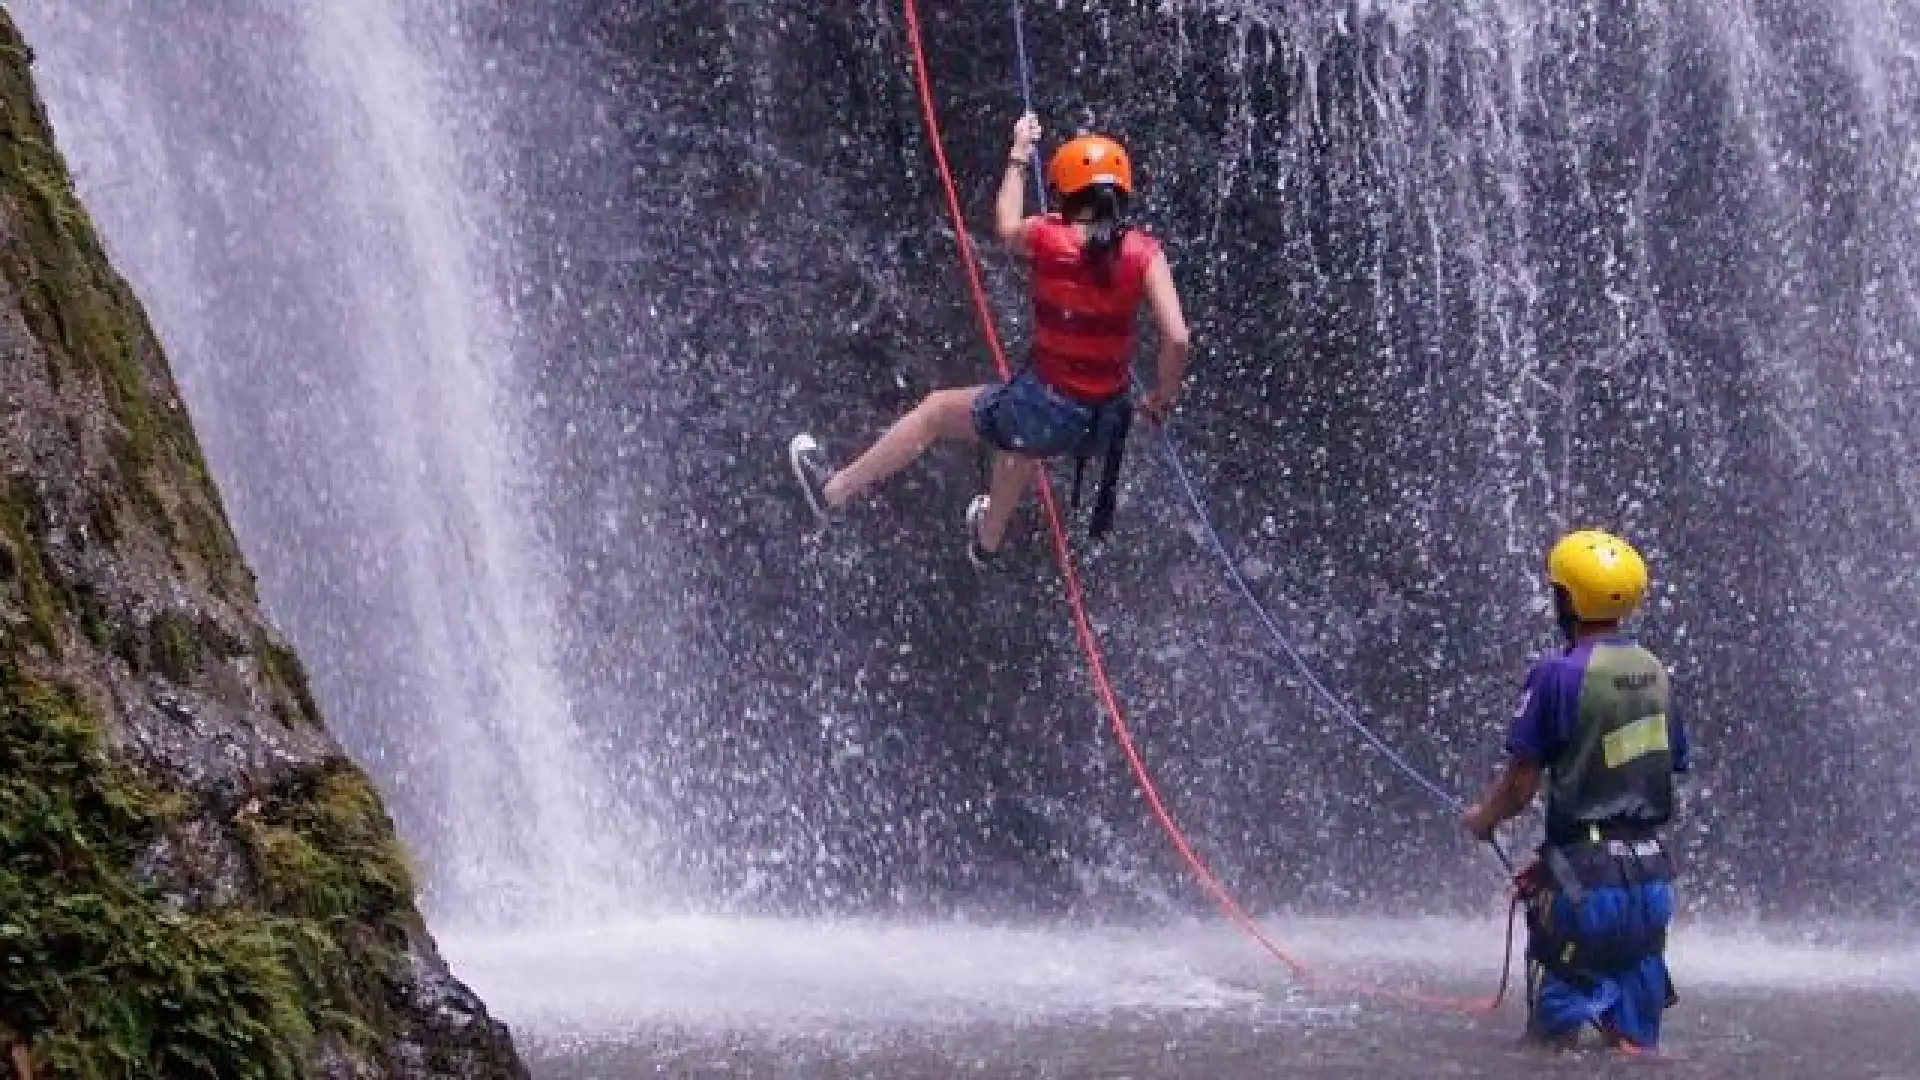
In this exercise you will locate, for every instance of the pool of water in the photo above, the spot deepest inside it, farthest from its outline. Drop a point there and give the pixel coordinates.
(710, 997)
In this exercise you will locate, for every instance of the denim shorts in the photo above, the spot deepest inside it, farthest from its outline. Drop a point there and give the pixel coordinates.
(1027, 417)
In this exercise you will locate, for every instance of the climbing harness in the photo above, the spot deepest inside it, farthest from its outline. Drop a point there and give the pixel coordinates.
(1082, 621)
(1111, 427)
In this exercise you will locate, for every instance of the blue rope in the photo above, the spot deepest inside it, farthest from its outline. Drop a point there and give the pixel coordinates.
(1452, 802)
(1170, 452)
(1172, 456)
(1026, 95)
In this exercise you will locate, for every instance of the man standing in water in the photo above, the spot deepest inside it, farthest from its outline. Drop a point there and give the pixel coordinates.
(1595, 720)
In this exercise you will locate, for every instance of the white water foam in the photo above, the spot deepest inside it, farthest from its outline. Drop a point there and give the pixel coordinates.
(610, 981)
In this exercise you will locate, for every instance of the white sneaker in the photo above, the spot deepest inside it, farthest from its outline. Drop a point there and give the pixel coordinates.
(810, 468)
(980, 557)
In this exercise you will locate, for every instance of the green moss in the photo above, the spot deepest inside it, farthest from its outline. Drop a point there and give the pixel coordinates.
(104, 971)
(106, 977)
(218, 642)
(98, 623)
(204, 532)
(74, 308)
(94, 330)
(102, 522)
(325, 854)
(326, 851)
(112, 980)
(285, 669)
(174, 643)
(23, 520)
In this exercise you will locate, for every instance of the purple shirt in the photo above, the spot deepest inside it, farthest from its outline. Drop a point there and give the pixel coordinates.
(1549, 711)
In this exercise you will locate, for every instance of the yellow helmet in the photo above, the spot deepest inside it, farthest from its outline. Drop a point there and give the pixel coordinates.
(1603, 576)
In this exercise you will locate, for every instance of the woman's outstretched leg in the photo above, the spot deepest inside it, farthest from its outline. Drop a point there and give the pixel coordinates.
(943, 414)
(988, 515)
(1011, 476)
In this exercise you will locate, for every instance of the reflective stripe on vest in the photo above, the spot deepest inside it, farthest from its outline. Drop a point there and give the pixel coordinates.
(1083, 330)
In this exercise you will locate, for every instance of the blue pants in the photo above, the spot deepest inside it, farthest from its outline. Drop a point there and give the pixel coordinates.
(1027, 417)
(1621, 994)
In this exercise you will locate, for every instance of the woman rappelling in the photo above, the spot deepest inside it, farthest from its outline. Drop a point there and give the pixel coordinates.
(1089, 271)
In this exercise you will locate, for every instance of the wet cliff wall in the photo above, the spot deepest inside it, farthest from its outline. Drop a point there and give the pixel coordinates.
(1461, 275)
(197, 880)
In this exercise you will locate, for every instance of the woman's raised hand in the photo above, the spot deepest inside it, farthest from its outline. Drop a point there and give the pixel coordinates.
(1026, 132)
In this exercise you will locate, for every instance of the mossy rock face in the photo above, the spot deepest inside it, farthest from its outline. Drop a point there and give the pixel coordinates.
(196, 881)
(95, 342)
(31, 608)
(325, 850)
(102, 976)
(283, 667)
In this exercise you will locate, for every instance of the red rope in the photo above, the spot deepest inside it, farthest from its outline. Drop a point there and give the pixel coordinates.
(1082, 624)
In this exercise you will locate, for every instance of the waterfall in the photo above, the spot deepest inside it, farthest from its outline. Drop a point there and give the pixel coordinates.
(303, 197)
(495, 330)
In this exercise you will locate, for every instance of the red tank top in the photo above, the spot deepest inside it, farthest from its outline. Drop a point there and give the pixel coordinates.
(1083, 331)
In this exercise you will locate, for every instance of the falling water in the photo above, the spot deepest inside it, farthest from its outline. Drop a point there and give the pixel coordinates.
(494, 332)
(292, 190)
(1462, 273)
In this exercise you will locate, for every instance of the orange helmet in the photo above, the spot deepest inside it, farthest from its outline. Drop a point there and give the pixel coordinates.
(1089, 160)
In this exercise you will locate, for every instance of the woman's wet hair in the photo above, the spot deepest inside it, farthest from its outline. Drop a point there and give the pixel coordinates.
(1105, 229)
